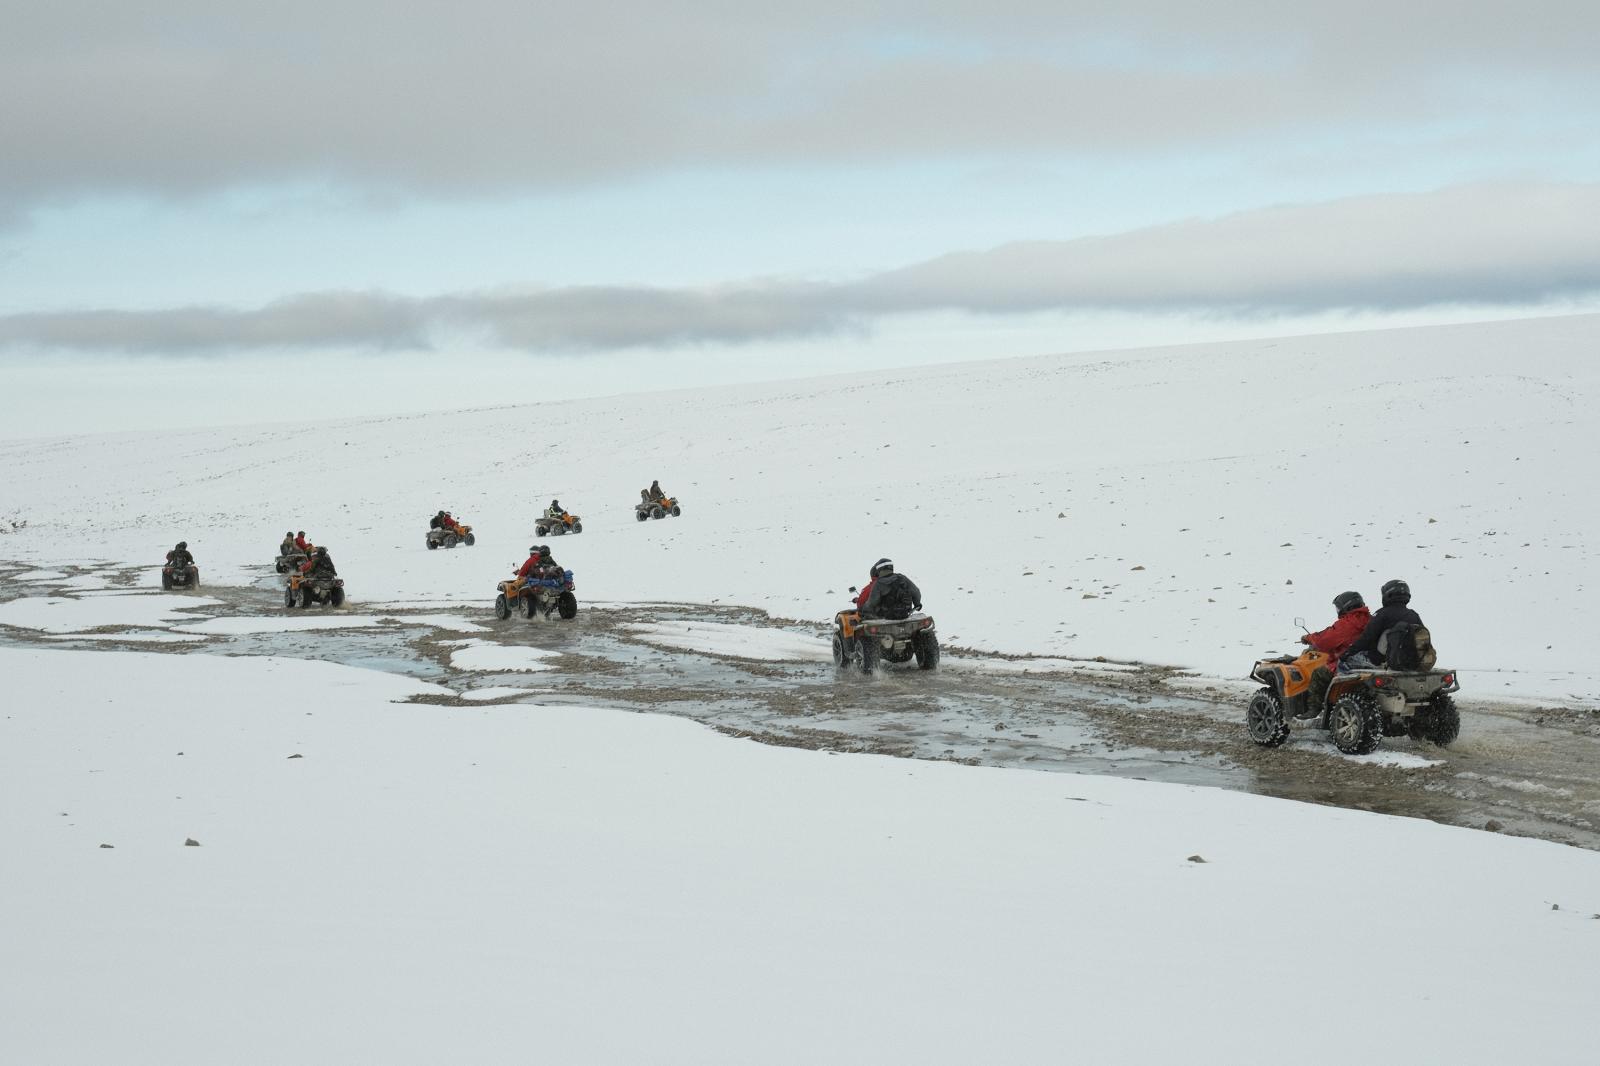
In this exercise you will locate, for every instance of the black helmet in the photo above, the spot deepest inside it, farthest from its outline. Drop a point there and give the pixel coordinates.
(1396, 591)
(533, 549)
(183, 545)
(322, 549)
(1346, 602)
(555, 503)
(544, 549)
(881, 567)
(301, 533)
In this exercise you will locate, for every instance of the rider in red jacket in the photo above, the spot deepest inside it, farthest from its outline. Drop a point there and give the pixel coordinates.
(1353, 618)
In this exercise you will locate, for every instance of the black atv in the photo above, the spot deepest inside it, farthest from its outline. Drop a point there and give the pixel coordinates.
(305, 589)
(180, 577)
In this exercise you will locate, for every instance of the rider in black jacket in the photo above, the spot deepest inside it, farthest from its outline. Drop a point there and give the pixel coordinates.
(1364, 652)
(893, 595)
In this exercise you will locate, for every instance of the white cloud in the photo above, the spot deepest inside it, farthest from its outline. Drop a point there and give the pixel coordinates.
(1486, 245)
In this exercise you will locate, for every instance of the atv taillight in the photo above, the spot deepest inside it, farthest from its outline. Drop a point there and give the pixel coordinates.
(1449, 679)
(1379, 682)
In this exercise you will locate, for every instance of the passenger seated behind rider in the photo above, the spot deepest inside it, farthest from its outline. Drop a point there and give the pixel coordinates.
(319, 565)
(1364, 653)
(890, 595)
(179, 556)
(288, 547)
(539, 564)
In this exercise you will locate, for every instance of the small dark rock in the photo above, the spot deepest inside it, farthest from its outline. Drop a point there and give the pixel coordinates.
(297, 755)
(190, 842)
(1196, 858)
(1555, 906)
(113, 845)
(1493, 826)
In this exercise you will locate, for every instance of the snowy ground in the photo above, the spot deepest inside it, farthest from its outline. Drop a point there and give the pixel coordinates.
(1175, 505)
(378, 881)
(467, 853)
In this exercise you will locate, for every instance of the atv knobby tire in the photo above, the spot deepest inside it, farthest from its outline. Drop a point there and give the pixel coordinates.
(470, 539)
(925, 646)
(288, 597)
(432, 544)
(502, 609)
(640, 515)
(567, 605)
(166, 580)
(529, 605)
(871, 651)
(657, 512)
(841, 654)
(1264, 719)
(1355, 723)
(676, 510)
(1438, 723)
(336, 596)
(577, 527)
(450, 540)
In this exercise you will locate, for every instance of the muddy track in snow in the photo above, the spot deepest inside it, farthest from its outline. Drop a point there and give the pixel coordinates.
(1519, 770)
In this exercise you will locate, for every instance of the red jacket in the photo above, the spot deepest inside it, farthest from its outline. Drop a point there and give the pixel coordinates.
(533, 561)
(1339, 636)
(303, 544)
(449, 522)
(861, 600)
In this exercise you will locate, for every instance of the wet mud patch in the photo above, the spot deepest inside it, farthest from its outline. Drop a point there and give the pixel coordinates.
(1515, 770)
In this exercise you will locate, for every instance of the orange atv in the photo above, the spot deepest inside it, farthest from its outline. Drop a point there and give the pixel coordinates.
(442, 537)
(547, 594)
(1358, 708)
(556, 527)
(657, 508)
(866, 642)
(305, 589)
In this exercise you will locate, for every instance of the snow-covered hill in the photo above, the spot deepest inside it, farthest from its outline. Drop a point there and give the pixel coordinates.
(1179, 505)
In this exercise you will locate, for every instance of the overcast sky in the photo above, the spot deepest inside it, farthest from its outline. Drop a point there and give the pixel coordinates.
(582, 198)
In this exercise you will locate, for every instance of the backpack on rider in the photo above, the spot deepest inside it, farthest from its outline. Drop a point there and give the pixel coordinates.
(894, 599)
(1409, 646)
